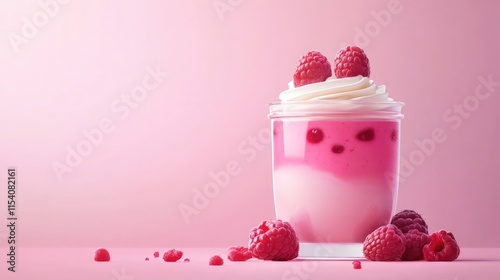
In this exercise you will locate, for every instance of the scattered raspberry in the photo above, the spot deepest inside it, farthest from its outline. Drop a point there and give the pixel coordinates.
(409, 219)
(216, 260)
(366, 135)
(313, 67)
(337, 149)
(101, 255)
(351, 61)
(238, 253)
(156, 254)
(274, 240)
(147, 259)
(356, 264)
(186, 260)
(172, 255)
(415, 241)
(386, 243)
(315, 135)
(442, 247)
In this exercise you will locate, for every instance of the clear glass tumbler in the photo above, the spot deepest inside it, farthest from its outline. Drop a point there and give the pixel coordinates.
(335, 171)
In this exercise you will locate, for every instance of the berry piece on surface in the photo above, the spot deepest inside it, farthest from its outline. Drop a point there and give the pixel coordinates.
(101, 255)
(442, 247)
(172, 255)
(386, 243)
(238, 254)
(409, 219)
(156, 254)
(216, 260)
(351, 61)
(274, 240)
(356, 264)
(415, 241)
(313, 67)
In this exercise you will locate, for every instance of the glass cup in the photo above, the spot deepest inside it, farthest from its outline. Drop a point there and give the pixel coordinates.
(335, 171)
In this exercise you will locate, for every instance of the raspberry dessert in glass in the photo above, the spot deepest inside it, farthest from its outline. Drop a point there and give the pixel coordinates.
(335, 154)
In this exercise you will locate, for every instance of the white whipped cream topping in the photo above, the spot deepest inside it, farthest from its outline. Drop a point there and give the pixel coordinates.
(352, 88)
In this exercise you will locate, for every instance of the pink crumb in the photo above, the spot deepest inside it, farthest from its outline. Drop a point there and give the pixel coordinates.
(172, 255)
(187, 260)
(156, 254)
(101, 255)
(147, 259)
(216, 260)
(356, 264)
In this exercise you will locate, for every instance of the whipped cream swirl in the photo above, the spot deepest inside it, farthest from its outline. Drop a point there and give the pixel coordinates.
(352, 88)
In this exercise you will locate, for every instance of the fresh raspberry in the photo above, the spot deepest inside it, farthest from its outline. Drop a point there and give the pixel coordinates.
(351, 61)
(274, 240)
(216, 260)
(356, 264)
(366, 135)
(415, 241)
(238, 253)
(156, 254)
(313, 67)
(386, 243)
(315, 135)
(442, 247)
(172, 255)
(101, 255)
(409, 219)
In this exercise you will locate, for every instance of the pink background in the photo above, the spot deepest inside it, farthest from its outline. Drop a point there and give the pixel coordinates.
(223, 68)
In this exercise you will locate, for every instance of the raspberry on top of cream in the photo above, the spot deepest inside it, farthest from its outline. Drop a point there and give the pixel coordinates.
(314, 91)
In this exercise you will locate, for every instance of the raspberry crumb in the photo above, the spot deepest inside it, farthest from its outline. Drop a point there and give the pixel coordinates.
(356, 264)
(101, 255)
(216, 260)
(156, 254)
(172, 255)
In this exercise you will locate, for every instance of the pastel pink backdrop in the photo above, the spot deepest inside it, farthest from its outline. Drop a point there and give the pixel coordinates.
(223, 68)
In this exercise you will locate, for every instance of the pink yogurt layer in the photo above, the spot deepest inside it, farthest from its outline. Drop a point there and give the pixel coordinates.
(333, 180)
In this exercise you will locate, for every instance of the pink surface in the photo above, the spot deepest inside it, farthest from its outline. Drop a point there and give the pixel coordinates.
(154, 114)
(130, 264)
